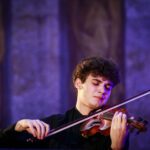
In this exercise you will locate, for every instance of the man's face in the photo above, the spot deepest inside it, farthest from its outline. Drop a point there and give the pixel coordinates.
(94, 92)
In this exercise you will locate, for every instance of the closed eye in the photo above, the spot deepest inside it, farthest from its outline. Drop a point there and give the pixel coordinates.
(107, 86)
(95, 83)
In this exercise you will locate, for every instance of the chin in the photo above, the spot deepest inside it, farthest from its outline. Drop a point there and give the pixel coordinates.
(101, 104)
(95, 106)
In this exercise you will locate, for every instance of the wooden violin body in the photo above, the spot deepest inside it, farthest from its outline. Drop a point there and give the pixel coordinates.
(101, 124)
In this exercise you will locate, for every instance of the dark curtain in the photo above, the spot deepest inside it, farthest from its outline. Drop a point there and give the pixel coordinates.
(4, 48)
(1, 63)
(96, 27)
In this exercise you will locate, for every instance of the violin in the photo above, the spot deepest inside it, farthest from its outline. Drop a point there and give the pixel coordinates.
(102, 124)
(100, 121)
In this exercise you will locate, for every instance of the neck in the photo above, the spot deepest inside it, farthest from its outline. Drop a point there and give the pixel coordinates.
(83, 109)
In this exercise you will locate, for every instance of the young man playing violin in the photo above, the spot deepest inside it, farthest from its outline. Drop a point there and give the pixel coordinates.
(94, 78)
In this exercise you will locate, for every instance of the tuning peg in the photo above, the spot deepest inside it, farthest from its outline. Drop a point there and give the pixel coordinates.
(145, 122)
(138, 132)
(131, 129)
(132, 118)
(140, 119)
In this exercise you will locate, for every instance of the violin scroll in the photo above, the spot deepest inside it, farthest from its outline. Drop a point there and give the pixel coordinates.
(138, 124)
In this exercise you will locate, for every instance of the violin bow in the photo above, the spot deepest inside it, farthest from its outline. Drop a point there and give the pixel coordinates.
(74, 123)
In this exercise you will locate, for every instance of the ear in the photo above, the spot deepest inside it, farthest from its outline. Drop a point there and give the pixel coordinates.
(78, 83)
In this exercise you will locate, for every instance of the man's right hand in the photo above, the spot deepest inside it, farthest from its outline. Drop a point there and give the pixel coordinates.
(37, 128)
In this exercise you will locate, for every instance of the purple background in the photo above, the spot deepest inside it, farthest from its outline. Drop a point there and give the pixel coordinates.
(36, 77)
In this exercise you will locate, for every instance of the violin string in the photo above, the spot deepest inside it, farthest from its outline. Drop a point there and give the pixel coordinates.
(57, 130)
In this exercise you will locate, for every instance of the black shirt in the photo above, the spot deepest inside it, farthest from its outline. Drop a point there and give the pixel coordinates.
(72, 138)
(67, 139)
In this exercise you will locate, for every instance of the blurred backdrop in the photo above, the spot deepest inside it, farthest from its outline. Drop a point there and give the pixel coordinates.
(41, 41)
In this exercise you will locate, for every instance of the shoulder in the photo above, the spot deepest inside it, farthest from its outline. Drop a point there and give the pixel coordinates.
(56, 120)
(9, 130)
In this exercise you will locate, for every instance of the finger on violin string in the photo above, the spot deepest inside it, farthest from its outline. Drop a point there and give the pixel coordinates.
(119, 118)
(124, 121)
(115, 115)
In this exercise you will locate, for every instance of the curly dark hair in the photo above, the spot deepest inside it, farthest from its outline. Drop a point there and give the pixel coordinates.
(96, 66)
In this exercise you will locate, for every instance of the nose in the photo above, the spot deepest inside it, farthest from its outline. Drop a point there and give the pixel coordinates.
(102, 89)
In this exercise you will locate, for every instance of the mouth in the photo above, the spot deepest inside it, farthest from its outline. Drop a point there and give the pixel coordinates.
(101, 99)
